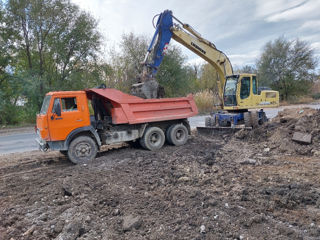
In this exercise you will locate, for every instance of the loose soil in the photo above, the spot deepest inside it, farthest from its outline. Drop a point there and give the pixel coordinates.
(244, 186)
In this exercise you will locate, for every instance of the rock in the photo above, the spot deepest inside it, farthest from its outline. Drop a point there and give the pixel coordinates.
(29, 231)
(183, 179)
(315, 153)
(283, 120)
(116, 212)
(66, 191)
(266, 149)
(212, 202)
(202, 229)
(299, 128)
(71, 231)
(88, 219)
(58, 226)
(304, 138)
(249, 161)
(130, 222)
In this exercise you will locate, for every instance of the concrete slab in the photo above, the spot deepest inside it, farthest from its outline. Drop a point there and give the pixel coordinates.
(304, 138)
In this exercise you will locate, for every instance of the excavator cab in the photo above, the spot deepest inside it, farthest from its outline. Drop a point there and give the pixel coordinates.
(241, 93)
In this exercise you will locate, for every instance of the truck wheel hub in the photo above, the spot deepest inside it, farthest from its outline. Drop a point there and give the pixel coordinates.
(82, 149)
(179, 134)
(154, 138)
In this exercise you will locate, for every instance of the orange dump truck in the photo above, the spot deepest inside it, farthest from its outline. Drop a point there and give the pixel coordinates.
(64, 122)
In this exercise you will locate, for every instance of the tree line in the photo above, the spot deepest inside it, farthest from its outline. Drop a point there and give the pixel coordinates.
(51, 45)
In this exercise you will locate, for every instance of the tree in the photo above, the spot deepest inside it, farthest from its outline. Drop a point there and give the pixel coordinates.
(9, 86)
(125, 64)
(208, 78)
(55, 47)
(287, 66)
(125, 67)
(174, 75)
(245, 69)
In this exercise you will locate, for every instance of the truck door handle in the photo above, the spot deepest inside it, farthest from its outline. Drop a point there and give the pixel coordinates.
(59, 118)
(79, 120)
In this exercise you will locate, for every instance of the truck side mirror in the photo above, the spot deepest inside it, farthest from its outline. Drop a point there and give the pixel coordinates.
(57, 108)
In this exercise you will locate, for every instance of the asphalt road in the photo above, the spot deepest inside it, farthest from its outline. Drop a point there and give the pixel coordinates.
(23, 142)
(17, 142)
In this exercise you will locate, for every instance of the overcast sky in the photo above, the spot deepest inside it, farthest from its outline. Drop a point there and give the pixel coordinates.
(240, 28)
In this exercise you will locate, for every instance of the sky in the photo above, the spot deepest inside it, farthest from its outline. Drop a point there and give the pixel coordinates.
(239, 28)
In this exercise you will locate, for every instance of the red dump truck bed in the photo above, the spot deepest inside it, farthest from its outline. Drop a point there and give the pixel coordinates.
(133, 110)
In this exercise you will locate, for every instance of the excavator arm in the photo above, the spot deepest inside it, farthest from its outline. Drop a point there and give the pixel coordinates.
(206, 50)
(187, 36)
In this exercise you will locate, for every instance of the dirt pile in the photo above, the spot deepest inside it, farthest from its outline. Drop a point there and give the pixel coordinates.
(277, 135)
(216, 187)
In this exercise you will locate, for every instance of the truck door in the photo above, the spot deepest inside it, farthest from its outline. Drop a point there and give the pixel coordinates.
(70, 118)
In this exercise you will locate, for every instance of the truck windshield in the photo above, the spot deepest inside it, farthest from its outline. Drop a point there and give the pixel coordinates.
(45, 104)
(230, 90)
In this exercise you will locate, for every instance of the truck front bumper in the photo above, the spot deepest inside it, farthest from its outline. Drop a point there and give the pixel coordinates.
(43, 145)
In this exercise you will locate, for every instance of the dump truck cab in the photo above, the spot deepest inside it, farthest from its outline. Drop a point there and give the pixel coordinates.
(62, 115)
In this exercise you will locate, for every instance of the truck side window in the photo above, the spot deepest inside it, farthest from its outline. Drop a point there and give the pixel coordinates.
(69, 104)
(254, 85)
(56, 102)
(245, 87)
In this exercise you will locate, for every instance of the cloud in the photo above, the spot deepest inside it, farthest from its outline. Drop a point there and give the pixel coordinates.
(238, 28)
(304, 10)
(271, 7)
(311, 25)
(196, 61)
(244, 59)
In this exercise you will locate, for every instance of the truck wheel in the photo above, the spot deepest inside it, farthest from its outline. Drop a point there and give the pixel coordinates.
(177, 134)
(152, 139)
(82, 150)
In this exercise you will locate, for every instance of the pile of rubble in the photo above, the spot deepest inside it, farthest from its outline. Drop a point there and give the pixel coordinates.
(293, 131)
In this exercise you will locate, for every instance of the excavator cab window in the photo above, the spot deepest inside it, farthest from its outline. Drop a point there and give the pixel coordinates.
(230, 91)
(254, 85)
(245, 88)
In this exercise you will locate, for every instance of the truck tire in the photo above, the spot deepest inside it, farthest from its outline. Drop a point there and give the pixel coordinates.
(177, 134)
(153, 139)
(247, 119)
(82, 149)
(254, 119)
(210, 121)
(263, 118)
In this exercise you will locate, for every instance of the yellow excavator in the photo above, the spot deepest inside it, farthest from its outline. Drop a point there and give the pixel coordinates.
(238, 93)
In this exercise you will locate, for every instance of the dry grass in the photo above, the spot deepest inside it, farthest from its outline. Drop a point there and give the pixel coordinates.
(205, 101)
(298, 100)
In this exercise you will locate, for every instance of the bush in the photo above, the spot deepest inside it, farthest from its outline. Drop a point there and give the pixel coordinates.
(316, 95)
(205, 101)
